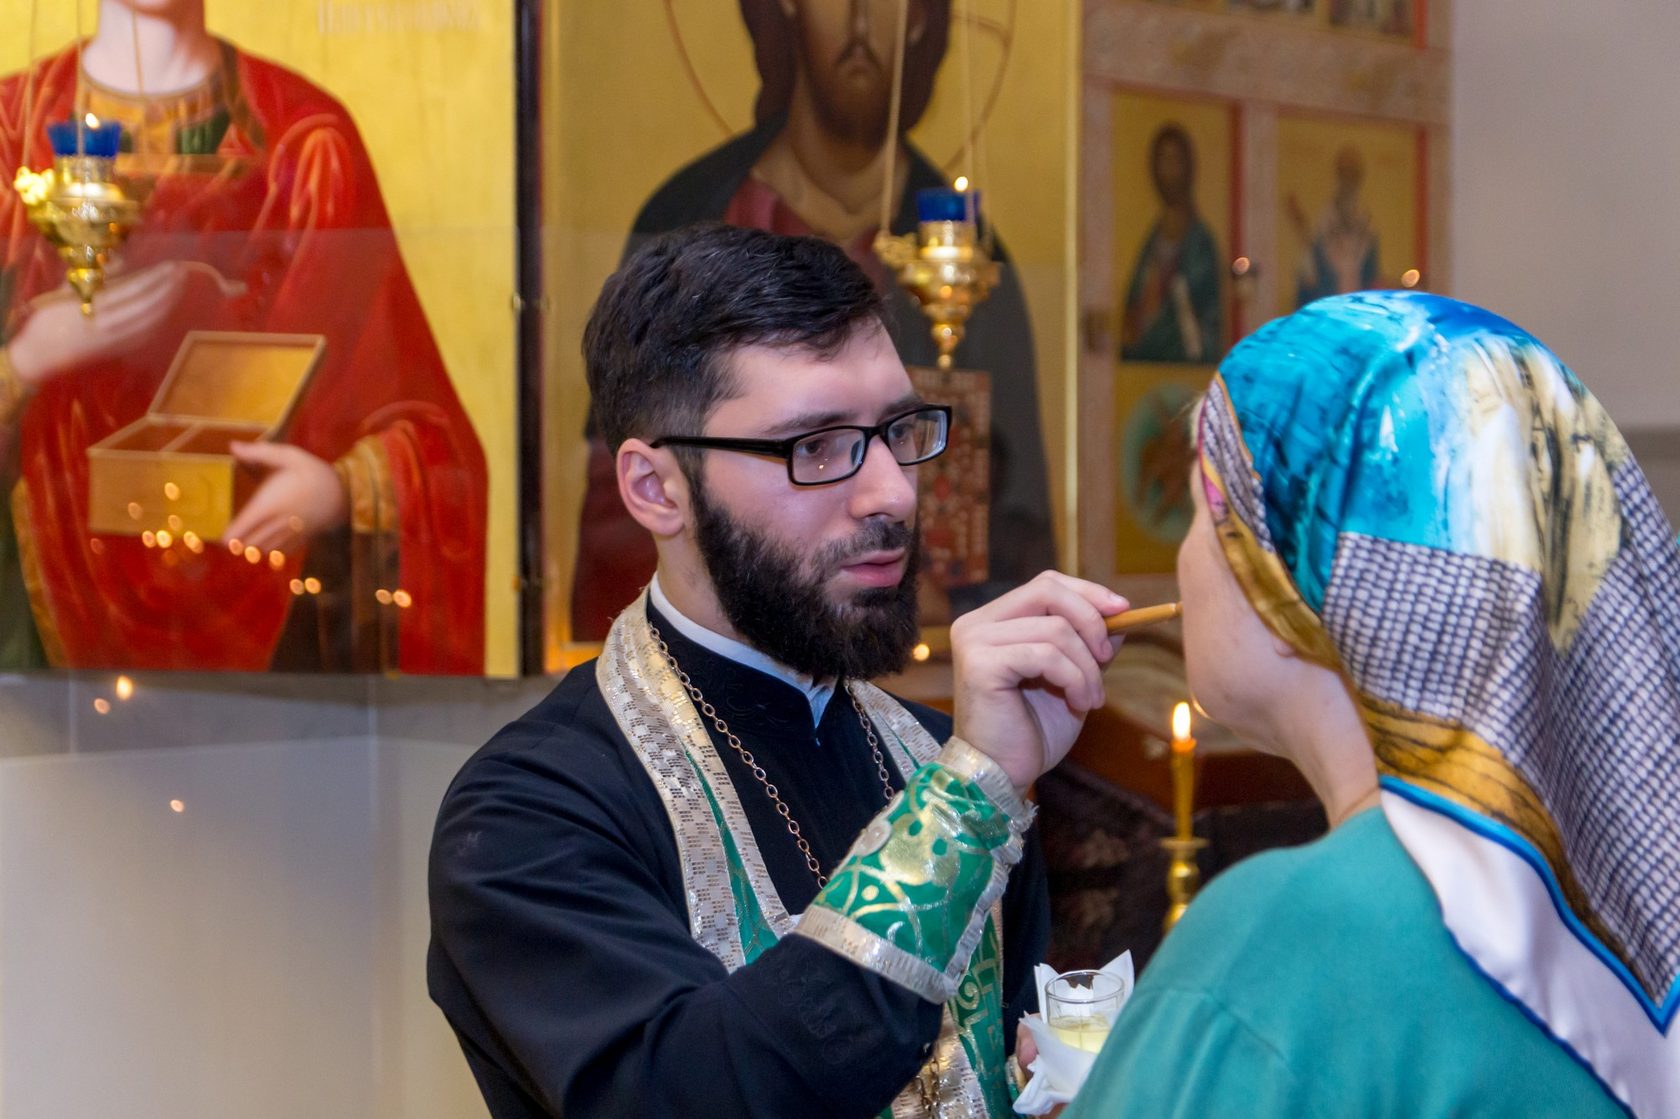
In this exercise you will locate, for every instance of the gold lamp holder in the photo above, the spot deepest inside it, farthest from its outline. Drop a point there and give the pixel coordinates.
(948, 271)
(944, 264)
(81, 208)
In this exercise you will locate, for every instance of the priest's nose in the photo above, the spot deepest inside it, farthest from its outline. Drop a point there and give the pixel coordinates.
(882, 487)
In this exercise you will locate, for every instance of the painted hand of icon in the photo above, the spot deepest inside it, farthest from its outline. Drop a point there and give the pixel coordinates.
(56, 337)
(301, 497)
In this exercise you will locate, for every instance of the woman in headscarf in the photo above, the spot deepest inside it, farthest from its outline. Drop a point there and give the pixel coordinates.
(1425, 568)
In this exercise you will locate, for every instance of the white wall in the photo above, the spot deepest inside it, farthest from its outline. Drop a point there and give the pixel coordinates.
(1566, 188)
(258, 954)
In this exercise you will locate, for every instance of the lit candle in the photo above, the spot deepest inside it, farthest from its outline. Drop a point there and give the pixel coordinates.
(1183, 769)
(88, 136)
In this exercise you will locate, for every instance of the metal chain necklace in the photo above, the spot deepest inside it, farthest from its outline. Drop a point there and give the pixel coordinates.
(705, 707)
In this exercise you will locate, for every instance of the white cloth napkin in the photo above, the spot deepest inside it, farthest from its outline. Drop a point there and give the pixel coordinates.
(1060, 1069)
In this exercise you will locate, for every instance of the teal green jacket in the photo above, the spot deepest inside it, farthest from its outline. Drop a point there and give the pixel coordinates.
(1320, 982)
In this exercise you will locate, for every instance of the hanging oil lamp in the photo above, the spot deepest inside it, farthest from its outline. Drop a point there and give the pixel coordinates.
(944, 264)
(77, 204)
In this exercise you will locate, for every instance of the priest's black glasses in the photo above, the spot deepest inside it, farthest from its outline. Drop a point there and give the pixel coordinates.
(834, 454)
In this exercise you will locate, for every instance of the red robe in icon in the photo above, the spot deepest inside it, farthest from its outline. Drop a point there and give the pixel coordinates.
(262, 177)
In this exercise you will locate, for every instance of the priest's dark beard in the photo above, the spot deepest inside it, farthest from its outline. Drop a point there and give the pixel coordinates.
(776, 602)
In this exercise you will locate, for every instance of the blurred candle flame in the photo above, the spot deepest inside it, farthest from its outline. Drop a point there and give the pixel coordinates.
(1181, 726)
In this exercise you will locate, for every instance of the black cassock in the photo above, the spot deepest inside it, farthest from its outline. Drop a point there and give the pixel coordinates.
(561, 952)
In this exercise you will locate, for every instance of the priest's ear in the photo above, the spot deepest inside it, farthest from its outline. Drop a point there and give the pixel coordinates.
(653, 487)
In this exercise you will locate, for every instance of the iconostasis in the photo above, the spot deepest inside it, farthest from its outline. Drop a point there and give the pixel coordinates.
(1237, 160)
(342, 254)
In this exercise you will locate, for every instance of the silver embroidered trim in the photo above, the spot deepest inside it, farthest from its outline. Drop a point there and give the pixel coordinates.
(655, 714)
(971, 765)
(872, 953)
(887, 711)
(954, 1084)
(703, 752)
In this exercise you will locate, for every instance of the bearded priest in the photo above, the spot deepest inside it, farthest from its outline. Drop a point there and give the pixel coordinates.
(717, 871)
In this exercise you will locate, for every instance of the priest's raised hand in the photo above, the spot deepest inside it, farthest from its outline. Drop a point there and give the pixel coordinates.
(1028, 669)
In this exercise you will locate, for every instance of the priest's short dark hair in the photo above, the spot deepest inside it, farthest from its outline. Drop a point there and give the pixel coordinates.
(657, 342)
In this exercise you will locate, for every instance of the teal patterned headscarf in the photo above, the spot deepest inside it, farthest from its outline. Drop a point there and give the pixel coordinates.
(1418, 494)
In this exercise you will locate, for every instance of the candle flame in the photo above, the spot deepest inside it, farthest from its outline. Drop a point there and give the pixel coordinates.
(962, 182)
(91, 120)
(1181, 722)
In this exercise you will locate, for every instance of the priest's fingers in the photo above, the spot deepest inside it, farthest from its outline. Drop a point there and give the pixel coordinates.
(1084, 604)
(1042, 665)
(1044, 629)
(1021, 703)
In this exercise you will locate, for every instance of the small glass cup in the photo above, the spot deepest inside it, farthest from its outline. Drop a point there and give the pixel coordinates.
(1080, 1007)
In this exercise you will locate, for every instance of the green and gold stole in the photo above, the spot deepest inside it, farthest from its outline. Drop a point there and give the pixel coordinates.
(916, 900)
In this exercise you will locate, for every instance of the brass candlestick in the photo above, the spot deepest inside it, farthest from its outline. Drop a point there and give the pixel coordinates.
(949, 272)
(1184, 877)
(80, 207)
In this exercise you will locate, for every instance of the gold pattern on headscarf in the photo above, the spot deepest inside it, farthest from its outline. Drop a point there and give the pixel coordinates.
(1534, 433)
(1458, 765)
(1267, 585)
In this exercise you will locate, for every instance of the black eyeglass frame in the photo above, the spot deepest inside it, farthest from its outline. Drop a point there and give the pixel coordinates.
(783, 448)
